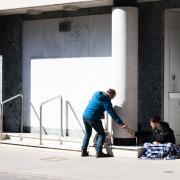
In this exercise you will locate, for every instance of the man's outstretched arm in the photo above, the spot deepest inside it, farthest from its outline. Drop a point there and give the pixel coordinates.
(110, 110)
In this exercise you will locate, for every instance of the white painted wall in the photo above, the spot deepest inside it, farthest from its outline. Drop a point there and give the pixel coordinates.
(76, 79)
(90, 37)
(74, 64)
(172, 66)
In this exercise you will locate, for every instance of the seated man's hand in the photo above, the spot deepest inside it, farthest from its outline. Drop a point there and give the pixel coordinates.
(137, 134)
(156, 143)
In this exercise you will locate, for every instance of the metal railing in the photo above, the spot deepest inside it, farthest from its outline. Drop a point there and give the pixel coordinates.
(2, 112)
(68, 105)
(61, 115)
(37, 116)
(40, 117)
(106, 121)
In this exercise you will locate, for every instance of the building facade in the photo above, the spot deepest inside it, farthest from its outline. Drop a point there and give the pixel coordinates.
(75, 47)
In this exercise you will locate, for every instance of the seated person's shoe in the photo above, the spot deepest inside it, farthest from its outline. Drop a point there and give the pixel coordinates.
(102, 155)
(84, 153)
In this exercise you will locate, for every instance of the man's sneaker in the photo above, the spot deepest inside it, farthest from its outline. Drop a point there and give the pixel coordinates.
(84, 153)
(102, 155)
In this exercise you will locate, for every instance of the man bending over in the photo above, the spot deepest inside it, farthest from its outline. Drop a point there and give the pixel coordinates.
(100, 102)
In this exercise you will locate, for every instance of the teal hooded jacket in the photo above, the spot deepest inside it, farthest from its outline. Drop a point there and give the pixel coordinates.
(100, 103)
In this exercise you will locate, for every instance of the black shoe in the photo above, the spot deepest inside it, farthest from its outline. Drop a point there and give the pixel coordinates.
(102, 155)
(84, 153)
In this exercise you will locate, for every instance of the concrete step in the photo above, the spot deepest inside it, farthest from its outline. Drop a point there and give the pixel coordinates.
(66, 143)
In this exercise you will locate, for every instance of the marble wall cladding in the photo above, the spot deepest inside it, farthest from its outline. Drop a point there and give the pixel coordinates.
(125, 3)
(1, 26)
(62, 14)
(1, 59)
(151, 61)
(12, 70)
(171, 4)
(0, 78)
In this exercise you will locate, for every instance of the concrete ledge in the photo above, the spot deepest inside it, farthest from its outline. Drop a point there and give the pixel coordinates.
(67, 143)
(5, 137)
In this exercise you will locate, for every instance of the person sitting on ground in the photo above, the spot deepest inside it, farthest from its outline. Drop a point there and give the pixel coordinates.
(161, 132)
(164, 143)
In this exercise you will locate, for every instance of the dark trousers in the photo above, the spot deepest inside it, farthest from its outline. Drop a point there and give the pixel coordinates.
(98, 127)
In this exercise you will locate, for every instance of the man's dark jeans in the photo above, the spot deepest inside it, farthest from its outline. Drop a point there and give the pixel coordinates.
(98, 127)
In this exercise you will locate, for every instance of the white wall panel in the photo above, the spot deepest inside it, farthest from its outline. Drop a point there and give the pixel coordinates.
(75, 64)
(171, 71)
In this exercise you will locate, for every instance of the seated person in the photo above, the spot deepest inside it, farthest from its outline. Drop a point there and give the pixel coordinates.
(161, 132)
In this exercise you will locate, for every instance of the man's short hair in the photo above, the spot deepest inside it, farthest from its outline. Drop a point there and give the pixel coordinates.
(111, 91)
(155, 119)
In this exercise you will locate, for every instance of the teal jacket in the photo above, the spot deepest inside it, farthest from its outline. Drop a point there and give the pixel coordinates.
(100, 103)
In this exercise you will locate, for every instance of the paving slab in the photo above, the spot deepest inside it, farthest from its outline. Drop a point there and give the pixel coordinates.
(18, 162)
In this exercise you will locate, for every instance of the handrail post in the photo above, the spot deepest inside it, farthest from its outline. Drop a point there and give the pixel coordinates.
(22, 114)
(1, 137)
(68, 104)
(67, 120)
(22, 117)
(40, 125)
(37, 116)
(61, 116)
(106, 121)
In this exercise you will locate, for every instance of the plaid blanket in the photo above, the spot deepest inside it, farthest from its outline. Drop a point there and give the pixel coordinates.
(161, 151)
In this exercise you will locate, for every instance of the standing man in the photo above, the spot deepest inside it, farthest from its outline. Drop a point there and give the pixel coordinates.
(100, 102)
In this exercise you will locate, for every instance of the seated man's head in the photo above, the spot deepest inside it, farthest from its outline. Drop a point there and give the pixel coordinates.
(111, 93)
(155, 122)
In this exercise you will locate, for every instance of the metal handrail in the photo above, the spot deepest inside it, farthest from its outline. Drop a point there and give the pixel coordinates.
(61, 115)
(2, 112)
(106, 121)
(37, 116)
(68, 104)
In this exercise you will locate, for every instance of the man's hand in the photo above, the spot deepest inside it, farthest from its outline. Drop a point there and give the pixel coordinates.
(124, 126)
(130, 131)
(156, 143)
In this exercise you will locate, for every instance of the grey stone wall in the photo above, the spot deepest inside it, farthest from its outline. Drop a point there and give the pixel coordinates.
(1, 24)
(151, 61)
(171, 4)
(1, 59)
(12, 70)
(61, 14)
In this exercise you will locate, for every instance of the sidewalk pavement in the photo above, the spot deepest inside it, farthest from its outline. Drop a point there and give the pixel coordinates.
(27, 163)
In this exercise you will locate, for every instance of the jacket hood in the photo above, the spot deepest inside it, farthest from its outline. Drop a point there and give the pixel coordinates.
(165, 124)
(101, 96)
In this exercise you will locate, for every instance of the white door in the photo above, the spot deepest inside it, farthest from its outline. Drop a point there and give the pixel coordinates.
(174, 82)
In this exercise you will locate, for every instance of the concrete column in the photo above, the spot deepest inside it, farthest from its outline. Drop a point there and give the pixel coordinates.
(125, 62)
